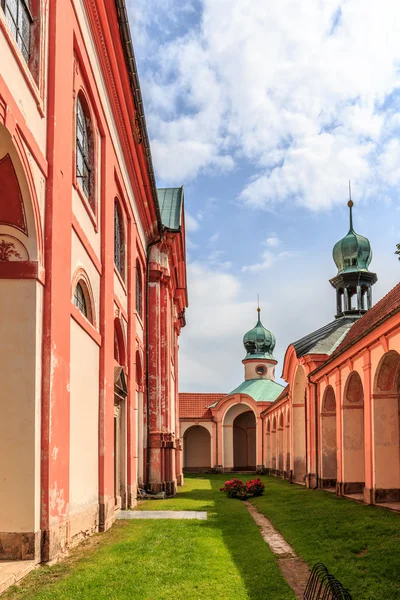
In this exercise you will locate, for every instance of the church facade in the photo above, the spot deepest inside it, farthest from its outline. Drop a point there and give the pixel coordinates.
(336, 424)
(92, 281)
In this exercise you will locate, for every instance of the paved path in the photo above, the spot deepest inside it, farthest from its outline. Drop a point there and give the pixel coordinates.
(12, 571)
(162, 514)
(294, 569)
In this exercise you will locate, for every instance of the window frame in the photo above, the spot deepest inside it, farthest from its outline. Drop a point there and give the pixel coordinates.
(86, 154)
(120, 237)
(81, 279)
(23, 45)
(139, 290)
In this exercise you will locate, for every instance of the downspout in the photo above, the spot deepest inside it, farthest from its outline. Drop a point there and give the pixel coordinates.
(316, 434)
(153, 243)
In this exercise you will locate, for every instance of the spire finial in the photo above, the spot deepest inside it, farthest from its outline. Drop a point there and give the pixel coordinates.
(350, 204)
(258, 304)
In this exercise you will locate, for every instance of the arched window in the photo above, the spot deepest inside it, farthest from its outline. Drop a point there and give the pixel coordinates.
(84, 149)
(119, 240)
(82, 300)
(19, 19)
(139, 290)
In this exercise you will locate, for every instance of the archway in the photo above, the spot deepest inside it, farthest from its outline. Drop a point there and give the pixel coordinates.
(233, 437)
(197, 449)
(281, 432)
(244, 441)
(328, 439)
(353, 436)
(120, 418)
(299, 425)
(387, 429)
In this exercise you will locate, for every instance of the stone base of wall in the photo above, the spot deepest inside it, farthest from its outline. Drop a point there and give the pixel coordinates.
(311, 481)
(20, 546)
(131, 500)
(344, 488)
(169, 487)
(55, 542)
(327, 483)
(83, 524)
(106, 513)
(378, 495)
(180, 479)
(198, 470)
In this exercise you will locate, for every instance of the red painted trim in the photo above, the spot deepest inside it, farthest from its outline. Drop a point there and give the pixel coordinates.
(85, 324)
(23, 66)
(21, 270)
(121, 308)
(86, 244)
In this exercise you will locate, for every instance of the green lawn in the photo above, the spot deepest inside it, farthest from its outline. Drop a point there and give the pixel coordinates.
(359, 544)
(221, 558)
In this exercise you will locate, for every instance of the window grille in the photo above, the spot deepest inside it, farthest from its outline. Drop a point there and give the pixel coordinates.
(79, 300)
(119, 249)
(139, 291)
(83, 167)
(19, 19)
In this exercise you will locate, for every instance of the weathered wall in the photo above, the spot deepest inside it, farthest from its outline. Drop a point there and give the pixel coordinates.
(84, 428)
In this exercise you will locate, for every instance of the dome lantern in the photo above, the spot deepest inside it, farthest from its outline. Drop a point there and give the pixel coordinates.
(259, 342)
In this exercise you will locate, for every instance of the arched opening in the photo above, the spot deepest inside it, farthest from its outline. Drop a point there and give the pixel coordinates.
(280, 444)
(299, 425)
(141, 432)
(273, 445)
(328, 439)
(21, 334)
(353, 436)
(244, 442)
(83, 296)
(287, 462)
(84, 150)
(387, 429)
(197, 449)
(120, 417)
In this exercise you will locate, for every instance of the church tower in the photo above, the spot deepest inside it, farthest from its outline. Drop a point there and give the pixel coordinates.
(353, 282)
(259, 362)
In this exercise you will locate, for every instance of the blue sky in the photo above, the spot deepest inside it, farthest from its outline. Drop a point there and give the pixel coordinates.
(264, 110)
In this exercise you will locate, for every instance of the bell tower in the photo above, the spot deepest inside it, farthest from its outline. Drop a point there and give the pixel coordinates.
(259, 343)
(353, 282)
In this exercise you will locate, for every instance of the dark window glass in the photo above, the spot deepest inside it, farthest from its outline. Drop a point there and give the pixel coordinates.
(119, 242)
(79, 299)
(83, 167)
(19, 19)
(139, 291)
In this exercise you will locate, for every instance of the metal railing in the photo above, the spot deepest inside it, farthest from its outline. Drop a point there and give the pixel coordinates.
(322, 585)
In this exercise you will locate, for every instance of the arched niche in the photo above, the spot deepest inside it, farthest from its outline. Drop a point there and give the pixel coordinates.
(287, 458)
(353, 435)
(386, 425)
(228, 425)
(299, 424)
(197, 449)
(244, 441)
(273, 445)
(281, 434)
(119, 343)
(268, 444)
(328, 438)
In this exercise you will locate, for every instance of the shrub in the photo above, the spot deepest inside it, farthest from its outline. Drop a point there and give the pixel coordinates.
(235, 488)
(255, 487)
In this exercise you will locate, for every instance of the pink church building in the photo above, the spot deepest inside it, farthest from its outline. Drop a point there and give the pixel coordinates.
(336, 424)
(92, 281)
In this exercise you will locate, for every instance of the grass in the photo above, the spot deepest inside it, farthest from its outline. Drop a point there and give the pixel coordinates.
(221, 558)
(359, 544)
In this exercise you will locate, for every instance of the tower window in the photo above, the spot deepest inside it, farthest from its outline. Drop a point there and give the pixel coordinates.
(80, 300)
(19, 19)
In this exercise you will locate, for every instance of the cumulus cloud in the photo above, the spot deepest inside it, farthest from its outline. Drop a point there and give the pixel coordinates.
(304, 98)
(191, 223)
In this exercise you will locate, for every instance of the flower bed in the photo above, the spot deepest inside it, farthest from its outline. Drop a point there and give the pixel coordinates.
(236, 488)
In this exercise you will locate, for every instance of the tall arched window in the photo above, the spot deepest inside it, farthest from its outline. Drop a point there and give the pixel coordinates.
(82, 300)
(119, 240)
(19, 19)
(84, 150)
(139, 290)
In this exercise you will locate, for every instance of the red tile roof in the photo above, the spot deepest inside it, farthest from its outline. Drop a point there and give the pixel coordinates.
(384, 309)
(195, 405)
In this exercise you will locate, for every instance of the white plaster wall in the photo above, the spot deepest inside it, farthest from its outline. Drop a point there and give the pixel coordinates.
(353, 444)
(20, 402)
(86, 223)
(84, 420)
(120, 292)
(80, 258)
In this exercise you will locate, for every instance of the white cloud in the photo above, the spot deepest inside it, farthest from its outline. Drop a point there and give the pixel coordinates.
(301, 97)
(268, 259)
(272, 241)
(191, 223)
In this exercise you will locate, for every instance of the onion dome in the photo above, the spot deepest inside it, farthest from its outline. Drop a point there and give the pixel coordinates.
(259, 342)
(352, 253)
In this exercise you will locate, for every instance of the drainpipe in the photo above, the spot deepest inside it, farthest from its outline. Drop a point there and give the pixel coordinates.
(317, 423)
(153, 243)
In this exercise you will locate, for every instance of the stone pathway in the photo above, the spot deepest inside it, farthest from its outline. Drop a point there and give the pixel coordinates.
(294, 569)
(162, 514)
(13, 571)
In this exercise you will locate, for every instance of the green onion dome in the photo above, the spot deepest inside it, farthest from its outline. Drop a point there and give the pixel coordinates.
(259, 342)
(352, 253)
